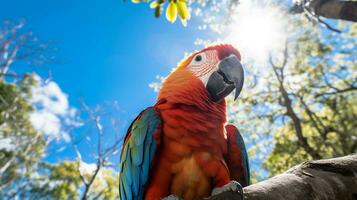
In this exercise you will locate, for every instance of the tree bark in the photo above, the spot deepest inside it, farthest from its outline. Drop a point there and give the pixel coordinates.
(329, 179)
(336, 9)
(332, 9)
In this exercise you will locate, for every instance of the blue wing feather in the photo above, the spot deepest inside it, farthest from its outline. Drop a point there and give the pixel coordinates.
(237, 156)
(127, 168)
(138, 154)
(136, 178)
(244, 154)
(146, 162)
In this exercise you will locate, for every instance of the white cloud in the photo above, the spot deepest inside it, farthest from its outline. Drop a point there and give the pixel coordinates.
(47, 122)
(156, 86)
(88, 169)
(52, 111)
(51, 97)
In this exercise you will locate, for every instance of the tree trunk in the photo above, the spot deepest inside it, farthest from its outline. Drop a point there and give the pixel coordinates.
(329, 179)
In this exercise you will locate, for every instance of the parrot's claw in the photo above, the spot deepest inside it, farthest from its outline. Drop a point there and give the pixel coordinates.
(231, 186)
(171, 197)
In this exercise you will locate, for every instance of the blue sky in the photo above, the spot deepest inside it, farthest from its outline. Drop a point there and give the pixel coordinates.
(107, 50)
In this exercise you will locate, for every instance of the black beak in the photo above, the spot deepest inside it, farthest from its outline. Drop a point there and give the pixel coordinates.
(229, 75)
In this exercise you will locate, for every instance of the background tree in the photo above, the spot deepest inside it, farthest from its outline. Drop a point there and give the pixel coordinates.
(21, 146)
(101, 180)
(24, 145)
(78, 179)
(309, 95)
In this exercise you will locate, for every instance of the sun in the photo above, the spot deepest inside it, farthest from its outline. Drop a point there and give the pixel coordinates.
(258, 29)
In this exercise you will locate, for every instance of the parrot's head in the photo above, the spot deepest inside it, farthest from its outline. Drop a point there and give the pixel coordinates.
(209, 74)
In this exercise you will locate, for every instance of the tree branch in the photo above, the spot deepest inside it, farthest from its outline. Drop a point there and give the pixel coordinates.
(332, 9)
(329, 179)
(104, 152)
(337, 91)
(336, 9)
(287, 103)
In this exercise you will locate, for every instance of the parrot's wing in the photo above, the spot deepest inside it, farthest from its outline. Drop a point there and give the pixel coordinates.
(137, 154)
(237, 157)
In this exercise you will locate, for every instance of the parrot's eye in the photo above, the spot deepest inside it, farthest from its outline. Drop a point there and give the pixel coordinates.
(198, 58)
(202, 63)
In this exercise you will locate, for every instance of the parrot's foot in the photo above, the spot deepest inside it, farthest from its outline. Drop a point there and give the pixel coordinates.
(231, 186)
(171, 197)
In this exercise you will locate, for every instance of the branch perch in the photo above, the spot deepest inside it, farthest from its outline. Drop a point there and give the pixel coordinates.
(328, 179)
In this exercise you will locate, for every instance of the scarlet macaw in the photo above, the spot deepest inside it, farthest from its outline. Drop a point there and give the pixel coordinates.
(181, 145)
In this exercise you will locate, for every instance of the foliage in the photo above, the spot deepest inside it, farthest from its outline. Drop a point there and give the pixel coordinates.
(325, 101)
(23, 172)
(307, 103)
(21, 145)
(63, 181)
(174, 8)
(56, 181)
(107, 185)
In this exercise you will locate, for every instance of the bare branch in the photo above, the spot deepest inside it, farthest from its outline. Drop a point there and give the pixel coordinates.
(287, 103)
(18, 45)
(103, 153)
(337, 91)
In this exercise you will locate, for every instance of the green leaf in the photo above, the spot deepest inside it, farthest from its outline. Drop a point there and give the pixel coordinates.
(171, 12)
(183, 11)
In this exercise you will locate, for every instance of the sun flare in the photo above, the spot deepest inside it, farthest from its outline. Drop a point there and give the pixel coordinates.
(257, 30)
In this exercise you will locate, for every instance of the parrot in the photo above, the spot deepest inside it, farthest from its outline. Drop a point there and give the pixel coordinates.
(182, 147)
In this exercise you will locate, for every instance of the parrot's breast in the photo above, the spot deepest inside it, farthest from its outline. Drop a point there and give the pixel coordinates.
(193, 146)
(189, 180)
